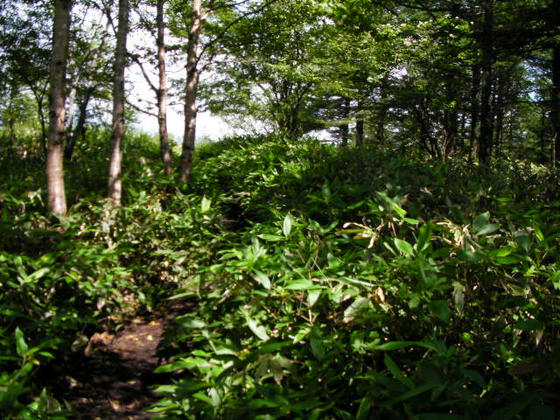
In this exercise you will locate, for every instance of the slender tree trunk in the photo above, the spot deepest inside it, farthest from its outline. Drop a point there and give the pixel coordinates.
(42, 119)
(500, 112)
(193, 76)
(344, 128)
(162, 90)
(55, 153)
(117, 133)
(475, 110)
(359, 125)
(11, 143)
(486, 117)
(72, 101)
(555, 114)
(382, 114)
(80, 127)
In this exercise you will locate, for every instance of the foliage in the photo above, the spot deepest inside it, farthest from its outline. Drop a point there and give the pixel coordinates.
(330, 282)
(358, 285)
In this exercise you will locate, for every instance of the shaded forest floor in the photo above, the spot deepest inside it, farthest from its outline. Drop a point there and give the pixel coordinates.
(113, 377)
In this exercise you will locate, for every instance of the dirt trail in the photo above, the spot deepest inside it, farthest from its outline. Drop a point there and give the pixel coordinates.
(112, 378)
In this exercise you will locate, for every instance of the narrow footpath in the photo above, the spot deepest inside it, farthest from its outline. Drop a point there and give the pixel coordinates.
(113, 377)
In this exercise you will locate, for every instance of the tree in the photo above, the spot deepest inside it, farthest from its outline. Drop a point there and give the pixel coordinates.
(191, 89)
(90, 58)
(55, 154)
(160, 89)
(117, 130)
(166, 156)
(269, 67)
(26, 53)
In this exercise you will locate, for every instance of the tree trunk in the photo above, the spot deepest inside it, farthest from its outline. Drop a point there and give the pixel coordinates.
(502, 88)
(117, 133)
(475, 110)
(55, 155)
(359, 125)
(344, 128)
(79, 131)
(162, 90)
(382, 113)
(555, 114)
(41, 112)
(72, 101)
(193, 76)
(486, 117)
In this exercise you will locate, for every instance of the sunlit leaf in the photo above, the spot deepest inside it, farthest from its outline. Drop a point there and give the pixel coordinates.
(258, 330)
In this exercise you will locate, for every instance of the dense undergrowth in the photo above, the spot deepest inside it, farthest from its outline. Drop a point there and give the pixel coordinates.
(330, 283)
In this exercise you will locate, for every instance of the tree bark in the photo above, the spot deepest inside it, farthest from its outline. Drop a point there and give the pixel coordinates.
(79, 130)
(191, 88)
(55, 153)
(486, 117)
(117, 133)
(475, 111)
(359, 125)
(555, 114)
(72, 101)
(344, 128)
(162, 89)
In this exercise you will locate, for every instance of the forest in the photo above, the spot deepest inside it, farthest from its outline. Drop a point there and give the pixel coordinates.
(379, 239)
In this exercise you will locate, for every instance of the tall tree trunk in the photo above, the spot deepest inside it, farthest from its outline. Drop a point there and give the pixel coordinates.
(55, 153)
(117, 133)
(193, 76)
(382, 113)
(555, 114)
(72, 101)
(486, 117)
(42, 118)
(79, 130)
(344, 128)
(162, 89)
(359, 125)
(502, 87)
(475, 110)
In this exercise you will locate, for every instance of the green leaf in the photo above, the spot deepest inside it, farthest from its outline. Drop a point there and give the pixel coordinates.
(480, 221)
(205, 204)
(396, 345)
(364, 409)
(523, 240)
(360, 306)
(413, 392)
(404, 247)
(397, 372)
(287, 225)
(486, 229)
(424, 237)
(300, 284)
(271, 238)
(21, 345)
(317, 346)
(313, 296)
(440, 309)
(258, 330)
(262, 279)
(192, 323)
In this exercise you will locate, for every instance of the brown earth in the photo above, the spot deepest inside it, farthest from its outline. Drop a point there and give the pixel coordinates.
(113, 378)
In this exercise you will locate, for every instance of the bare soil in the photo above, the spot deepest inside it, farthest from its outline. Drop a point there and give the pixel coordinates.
(113, 378)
